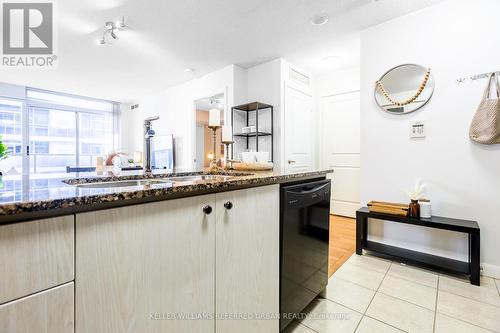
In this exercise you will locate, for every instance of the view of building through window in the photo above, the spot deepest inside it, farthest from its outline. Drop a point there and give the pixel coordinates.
(11, 132)
(58, 136)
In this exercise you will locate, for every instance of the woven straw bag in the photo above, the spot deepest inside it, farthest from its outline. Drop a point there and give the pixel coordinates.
(485, 127)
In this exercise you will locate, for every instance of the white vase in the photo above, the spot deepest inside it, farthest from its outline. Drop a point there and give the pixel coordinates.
(425, 209)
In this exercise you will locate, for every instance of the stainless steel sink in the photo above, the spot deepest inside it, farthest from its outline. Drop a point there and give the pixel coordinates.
(194, 178)
(156, 181)
(125, 183)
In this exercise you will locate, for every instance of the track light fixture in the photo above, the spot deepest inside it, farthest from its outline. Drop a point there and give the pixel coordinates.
(111, 28)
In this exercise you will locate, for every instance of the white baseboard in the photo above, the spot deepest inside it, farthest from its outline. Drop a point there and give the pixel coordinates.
(489, 270)
(344, 208)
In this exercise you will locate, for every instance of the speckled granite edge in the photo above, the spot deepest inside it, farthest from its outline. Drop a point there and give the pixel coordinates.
(97, 179)
(15, 211)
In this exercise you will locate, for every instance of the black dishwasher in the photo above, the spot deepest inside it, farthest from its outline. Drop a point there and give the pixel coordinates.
(305, 224)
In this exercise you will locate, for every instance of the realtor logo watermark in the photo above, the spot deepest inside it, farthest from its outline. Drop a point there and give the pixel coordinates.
(28, 34)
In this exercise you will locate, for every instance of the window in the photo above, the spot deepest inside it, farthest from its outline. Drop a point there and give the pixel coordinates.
(11, 132)
(65, 132)
(96, 136)
(62, 131)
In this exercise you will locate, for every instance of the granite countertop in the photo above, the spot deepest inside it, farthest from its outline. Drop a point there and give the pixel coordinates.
(31, 197)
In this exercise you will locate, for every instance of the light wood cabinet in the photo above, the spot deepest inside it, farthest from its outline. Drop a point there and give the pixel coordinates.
(247, 265)
(138, 266)
(35, 256)
(50, 311)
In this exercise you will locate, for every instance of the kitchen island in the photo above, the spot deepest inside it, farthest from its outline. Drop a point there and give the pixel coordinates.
(158, 255)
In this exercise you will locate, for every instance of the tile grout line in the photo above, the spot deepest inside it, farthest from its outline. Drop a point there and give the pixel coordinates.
(465, 322)
(300, 324)
(302, 321)
(437, 289)
(411, 281)
(406, 279)
(470, 299)
(342, 305)
(462, 320)
(420, 306)
(383, 293)
(380, 321)
(436, 305)
(356, 284)
(375, 294)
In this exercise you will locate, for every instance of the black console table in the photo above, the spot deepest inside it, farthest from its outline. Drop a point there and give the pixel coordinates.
(471, 267)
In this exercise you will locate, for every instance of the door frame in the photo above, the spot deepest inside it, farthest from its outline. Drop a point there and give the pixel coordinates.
(208, 94)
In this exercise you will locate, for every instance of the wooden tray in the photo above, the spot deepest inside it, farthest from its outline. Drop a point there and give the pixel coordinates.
(388, 208)
(252, 166)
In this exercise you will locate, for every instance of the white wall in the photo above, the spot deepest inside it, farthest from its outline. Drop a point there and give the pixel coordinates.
(456, 38)
(265, 85)
(175, 106)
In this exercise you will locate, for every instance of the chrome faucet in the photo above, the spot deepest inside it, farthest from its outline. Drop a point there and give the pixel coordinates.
(148, 134)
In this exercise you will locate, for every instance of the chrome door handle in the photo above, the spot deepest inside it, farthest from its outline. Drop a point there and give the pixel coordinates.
(291, 161)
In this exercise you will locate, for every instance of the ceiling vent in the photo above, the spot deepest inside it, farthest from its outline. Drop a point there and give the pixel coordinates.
(299, 78)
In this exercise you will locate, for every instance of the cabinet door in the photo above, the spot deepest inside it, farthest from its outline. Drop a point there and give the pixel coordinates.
(247, 264)
(35, 256)
(139, 268)
(50, 311)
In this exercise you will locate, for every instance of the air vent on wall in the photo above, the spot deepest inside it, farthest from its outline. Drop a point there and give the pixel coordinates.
(299, 78)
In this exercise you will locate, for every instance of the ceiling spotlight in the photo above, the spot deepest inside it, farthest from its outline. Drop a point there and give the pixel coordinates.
(111, 28)
(188, 70)
(121, 24)
(319, 19)
(109, 25)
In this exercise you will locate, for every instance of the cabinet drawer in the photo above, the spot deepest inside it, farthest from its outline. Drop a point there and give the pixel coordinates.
(35, 256)
(50, 311)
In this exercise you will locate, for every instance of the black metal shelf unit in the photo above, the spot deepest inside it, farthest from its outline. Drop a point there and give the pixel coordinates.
(250, 110)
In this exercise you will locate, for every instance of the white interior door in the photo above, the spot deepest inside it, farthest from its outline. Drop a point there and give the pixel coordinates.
(340, 149)
(298, 130)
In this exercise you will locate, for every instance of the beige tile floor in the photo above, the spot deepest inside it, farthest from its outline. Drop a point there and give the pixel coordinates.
(373, 295)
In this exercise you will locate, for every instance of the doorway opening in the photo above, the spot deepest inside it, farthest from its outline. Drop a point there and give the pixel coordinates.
(204, 135)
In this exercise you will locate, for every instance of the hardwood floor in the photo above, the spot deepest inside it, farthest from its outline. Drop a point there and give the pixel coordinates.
(342, 241)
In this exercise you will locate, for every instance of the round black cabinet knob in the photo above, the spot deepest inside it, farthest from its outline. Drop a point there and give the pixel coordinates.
(207, 209)
(228, 205)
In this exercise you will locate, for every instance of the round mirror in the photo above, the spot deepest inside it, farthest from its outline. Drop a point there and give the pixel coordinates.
(404, 89)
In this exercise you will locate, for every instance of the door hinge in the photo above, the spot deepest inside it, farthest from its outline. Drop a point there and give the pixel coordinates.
(28, 150)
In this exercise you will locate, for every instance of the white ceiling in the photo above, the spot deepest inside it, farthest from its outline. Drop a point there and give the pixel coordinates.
(167, 36)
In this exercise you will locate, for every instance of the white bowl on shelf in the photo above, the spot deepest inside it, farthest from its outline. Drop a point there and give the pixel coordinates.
(248, 157)
(262, 156)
